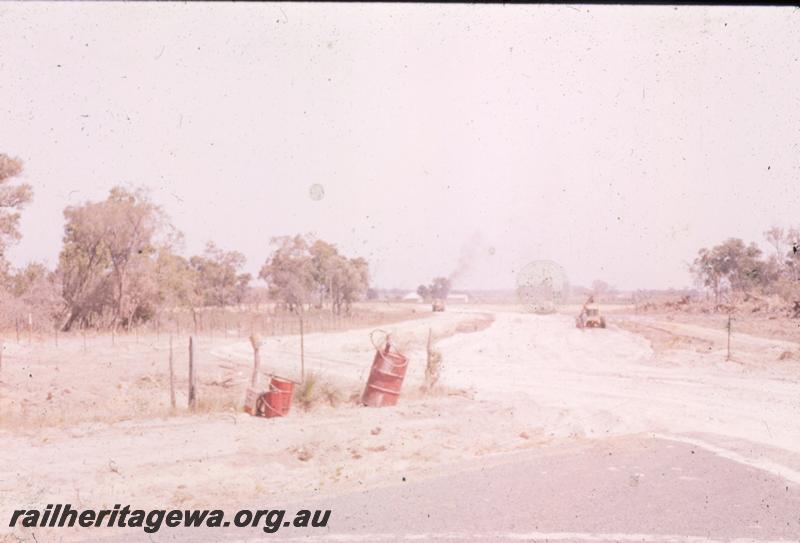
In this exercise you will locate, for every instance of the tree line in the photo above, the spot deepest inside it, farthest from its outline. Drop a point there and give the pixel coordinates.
(438, 289)
(119, 265)
(734, 268)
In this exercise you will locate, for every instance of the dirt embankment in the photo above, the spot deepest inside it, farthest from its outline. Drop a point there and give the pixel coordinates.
(100, 379)
(764, 341)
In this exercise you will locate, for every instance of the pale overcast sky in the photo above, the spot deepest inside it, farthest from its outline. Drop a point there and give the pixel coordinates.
(613, 140)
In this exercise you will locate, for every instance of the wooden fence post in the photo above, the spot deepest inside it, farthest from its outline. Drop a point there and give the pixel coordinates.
(728, 357)
(192, 379)
(255, 341)
(302, 353)
(171, 376)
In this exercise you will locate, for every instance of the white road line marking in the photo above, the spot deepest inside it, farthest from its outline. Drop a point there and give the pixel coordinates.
(512, 536)
(765, 465)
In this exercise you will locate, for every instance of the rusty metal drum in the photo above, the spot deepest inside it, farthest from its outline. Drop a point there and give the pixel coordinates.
(278, 401)
(385, 377)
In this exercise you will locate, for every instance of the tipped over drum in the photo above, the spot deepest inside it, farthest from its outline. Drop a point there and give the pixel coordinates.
(385, 377)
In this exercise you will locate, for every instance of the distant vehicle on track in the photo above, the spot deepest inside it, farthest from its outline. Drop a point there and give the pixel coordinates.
(590, 316)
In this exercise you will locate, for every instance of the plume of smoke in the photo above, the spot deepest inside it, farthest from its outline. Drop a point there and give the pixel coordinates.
(472, 250)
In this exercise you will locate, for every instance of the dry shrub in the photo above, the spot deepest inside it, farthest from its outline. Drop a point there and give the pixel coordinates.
(304, 394)
(433, 366)
(316, 391)
(214, 400)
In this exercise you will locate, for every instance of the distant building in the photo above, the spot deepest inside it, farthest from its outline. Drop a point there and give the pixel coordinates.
(458, 298)
(412, 297)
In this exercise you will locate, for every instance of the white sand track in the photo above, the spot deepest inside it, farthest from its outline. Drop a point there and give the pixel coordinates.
(600, 382)
(589, 383)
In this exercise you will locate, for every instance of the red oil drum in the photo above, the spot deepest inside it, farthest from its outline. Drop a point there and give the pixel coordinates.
(385, 377)
(279, 398)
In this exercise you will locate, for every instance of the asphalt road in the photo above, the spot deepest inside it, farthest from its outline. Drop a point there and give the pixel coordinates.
(624, 489)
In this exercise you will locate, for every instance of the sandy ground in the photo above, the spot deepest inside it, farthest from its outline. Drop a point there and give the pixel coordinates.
(525, 382)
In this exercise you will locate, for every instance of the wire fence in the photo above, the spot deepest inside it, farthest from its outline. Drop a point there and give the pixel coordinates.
(217, 323)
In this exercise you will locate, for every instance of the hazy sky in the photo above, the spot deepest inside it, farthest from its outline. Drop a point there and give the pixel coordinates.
(613, 140)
